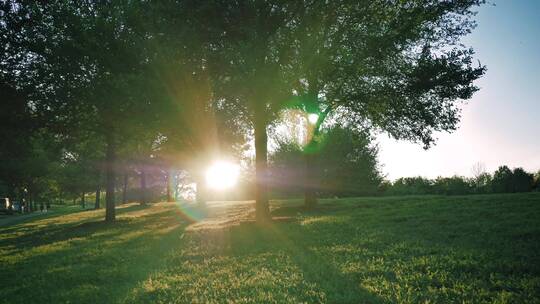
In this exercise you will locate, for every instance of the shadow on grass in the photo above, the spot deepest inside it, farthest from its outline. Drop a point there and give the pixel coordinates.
(289, 238)
(121, 209)
(19, 240)
(89, 262)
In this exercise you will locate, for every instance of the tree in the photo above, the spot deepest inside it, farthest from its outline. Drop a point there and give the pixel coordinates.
(16, 127)
(537, 181)
(396, 68)
(503, 180)
(522, 181)
(89, 70)
(480, 176)
(347, 165)
(252, 58)
(483, 183)
(455, 185)
(411, 186)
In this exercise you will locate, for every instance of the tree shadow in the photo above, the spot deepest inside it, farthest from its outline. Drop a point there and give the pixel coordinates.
(99, 261)
(66, 231)
(321, 209)
(289, 237)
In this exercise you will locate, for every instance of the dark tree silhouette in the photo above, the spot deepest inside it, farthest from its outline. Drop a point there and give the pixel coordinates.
(522, 181)
(502, 180)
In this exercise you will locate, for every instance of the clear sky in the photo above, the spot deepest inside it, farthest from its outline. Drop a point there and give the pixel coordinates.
(501, 123)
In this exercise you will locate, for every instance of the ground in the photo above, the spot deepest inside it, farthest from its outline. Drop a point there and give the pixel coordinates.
(424, 249)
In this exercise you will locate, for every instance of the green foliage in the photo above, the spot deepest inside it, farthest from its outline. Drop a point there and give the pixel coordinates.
(537, 181)
(410, 186)
(506, 180)
(346, 165)
(454, 185)
(482, 183)
(398, 68)
(522, 180)
(188, 79)
(503, 180)
(357, 250)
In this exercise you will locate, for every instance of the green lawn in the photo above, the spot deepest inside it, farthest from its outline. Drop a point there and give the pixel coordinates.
(467, 249)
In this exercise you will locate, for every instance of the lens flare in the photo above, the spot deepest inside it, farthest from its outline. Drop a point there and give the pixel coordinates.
(312, 118)
(222, 175)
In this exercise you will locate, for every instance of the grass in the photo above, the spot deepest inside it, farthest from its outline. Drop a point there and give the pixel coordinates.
(466, 249)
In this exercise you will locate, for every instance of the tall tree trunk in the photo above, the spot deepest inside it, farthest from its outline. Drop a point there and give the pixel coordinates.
(124, 188)
(98, 194)
(83, 202)
(262, 209)
(175, 188)
(311, 149)
(110, 179)
(168, 181)
(30, 203)
(310, 185)
(143, 187)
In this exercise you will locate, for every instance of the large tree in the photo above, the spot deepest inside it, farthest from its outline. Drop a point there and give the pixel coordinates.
(395, 67)
(252, 59)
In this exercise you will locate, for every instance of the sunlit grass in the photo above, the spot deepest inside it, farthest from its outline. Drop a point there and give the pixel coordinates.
(477, 249)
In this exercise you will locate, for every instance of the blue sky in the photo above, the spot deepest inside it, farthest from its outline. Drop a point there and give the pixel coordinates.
(501, 123)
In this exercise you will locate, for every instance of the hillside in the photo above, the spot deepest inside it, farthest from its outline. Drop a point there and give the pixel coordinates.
(479, 249)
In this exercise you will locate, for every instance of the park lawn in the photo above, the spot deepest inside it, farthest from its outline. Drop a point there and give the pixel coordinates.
(418, 249)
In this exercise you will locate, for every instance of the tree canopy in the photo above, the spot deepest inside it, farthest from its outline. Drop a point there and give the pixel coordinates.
(188, 81)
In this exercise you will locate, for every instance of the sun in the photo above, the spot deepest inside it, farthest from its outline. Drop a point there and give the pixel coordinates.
(312, 118)
(222, 175)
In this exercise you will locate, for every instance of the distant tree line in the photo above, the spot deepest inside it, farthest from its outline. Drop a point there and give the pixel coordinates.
(503, 180)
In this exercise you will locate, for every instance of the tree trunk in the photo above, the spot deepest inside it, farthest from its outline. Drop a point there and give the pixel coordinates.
(176, 188)
(310, 184)
(98, 194)
(124, 188)
(168, 181)
(110, 179)
(311, 149)
(199, 194)
(262, 209)
(83, 202)
(143, 187)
